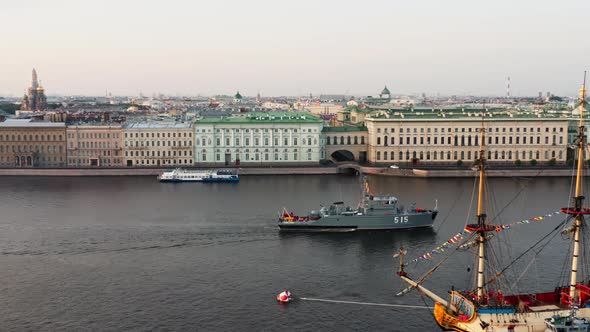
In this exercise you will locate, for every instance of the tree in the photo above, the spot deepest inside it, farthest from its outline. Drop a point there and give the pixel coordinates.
(518, 163)
(459, 163)
(534, 162)
(10, 108)
(552, 162)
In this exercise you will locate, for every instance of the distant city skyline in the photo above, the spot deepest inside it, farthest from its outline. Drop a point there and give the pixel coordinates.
(182, 47)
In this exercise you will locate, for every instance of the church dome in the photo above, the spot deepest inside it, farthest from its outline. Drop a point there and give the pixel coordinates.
(385, 91)
(238, 95)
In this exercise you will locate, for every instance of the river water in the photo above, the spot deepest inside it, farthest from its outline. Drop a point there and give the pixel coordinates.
(132, 254)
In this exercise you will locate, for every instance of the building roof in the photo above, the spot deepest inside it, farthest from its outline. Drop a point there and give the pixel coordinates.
(343, 129)
(358, 109)
(157, 125)
(95, 126)
(22, 123)
(464, 114)
(264, 117)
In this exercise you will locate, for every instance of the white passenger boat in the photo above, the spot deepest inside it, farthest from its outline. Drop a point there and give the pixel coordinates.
(180, 175)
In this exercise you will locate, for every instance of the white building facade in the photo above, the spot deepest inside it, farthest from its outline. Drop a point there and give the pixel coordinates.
(157, 144)
(259, 138)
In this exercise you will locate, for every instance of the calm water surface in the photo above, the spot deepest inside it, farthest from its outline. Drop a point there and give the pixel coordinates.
(132, 254)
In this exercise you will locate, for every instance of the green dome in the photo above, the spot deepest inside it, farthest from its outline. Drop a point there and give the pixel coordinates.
(385, 91)
(238, 95)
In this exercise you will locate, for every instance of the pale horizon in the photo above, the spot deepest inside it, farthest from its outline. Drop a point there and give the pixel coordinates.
(182, 47)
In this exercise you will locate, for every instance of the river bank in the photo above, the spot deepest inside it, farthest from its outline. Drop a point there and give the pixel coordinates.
(247, 171)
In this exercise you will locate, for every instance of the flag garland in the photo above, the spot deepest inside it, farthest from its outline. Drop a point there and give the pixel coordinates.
(459, 236)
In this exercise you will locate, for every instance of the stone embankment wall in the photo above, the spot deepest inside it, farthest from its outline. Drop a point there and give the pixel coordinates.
(156, 171)
(380, 171)
(452, 173)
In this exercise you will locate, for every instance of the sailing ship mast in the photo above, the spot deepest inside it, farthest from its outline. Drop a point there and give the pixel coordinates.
(578, 198)
(481, 216)
(474, 312)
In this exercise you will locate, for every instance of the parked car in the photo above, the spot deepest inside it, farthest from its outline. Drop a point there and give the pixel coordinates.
(394, 166)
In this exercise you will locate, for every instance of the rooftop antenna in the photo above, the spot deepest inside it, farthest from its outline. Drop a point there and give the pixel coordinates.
(508, 93)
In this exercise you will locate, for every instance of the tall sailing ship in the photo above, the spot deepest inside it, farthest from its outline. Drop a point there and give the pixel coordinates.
(485, 307)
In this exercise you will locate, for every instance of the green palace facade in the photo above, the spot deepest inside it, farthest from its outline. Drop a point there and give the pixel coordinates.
(259, 138)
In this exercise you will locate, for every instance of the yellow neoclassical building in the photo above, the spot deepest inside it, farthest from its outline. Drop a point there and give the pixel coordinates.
(440, 139)
(31, 143)
(95, 145)
(346, 143)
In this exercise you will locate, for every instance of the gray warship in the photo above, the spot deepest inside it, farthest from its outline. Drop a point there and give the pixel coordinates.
(374, 212)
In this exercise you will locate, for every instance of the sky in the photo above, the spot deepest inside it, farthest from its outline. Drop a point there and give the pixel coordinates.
(282, 47)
